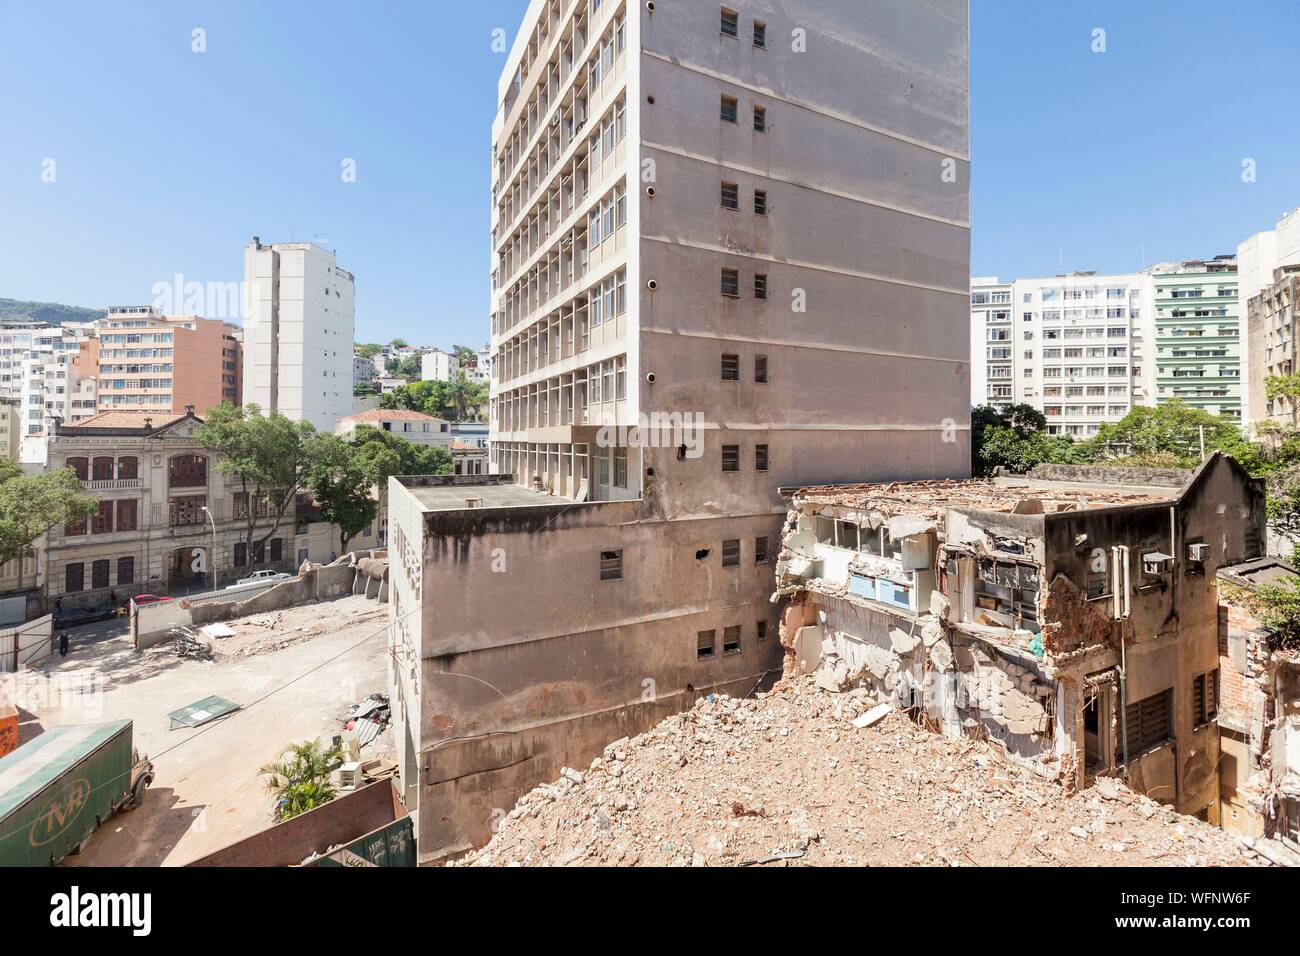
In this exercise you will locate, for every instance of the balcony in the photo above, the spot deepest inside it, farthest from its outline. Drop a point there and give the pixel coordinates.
(112, 484)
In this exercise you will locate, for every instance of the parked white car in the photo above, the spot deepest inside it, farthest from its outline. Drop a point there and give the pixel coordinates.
(264, 577)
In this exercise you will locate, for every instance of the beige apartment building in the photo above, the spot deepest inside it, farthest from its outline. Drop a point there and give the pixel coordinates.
(11, 425)
(1272, 323)
(745, 232)
(149, 362)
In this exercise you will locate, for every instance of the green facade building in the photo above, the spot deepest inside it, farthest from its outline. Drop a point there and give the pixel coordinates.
(1198, 355)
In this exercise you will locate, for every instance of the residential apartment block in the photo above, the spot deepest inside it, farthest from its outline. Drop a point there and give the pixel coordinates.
(1264, 268)
(699, 230)
(1198, 355)
(149, 362)
(1070, 619)
(1072, 346)
(438, 366)
(298, 334)
(1272, 325)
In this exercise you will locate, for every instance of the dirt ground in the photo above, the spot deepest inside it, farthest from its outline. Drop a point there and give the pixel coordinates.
(293, 678)
(787, 779)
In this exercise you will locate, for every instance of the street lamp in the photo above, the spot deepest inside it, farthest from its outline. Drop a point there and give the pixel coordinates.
(213, 562)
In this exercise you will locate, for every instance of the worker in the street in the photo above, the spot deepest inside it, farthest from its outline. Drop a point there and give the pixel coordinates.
(63, 643)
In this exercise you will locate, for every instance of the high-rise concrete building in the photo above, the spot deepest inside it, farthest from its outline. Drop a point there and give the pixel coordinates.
(298, 332)
(1072, 346)
(746, 231)
(992, 374)
(1258, 258)
(148, 362)
(1198, 355)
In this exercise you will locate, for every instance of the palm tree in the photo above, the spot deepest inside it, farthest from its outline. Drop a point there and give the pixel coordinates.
(301, 782)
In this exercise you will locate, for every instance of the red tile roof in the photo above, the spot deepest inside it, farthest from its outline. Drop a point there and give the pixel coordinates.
(389, 415)
(113, 419)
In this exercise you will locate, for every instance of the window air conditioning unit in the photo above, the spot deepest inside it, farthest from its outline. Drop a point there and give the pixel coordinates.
(1157, 562)
(1198, 552)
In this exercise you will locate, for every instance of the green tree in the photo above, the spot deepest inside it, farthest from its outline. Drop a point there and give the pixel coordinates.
(268, 457)
(31, 505)
(367, 349)
(1173, 427)
(465, 355)
(343, 489)
(398, 343)
(1016, 439)
(365, 389)
(300, 779)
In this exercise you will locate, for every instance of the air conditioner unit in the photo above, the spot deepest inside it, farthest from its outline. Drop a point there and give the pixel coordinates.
(1157, 562)
(1198, 552)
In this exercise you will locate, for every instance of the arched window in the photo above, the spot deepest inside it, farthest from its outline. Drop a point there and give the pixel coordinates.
(81, 466)
(128, 467)
(102, 468)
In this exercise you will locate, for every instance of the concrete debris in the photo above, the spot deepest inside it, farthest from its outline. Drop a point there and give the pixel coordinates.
(777, 780)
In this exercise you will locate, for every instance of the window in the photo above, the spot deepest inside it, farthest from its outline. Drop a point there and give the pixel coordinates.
(760, 369)
(730, 23)
(731, 458)
(277, 549)
(1205, 697)
(760, 286)
(74, 578)
(76, 527)
(730, 196)
(704, 645)
(729, 109)
(611, 565)
(125, 571)
(731, 639)
(620, 467)
(731, 283)
(760, 119)
(761, 628)
(1150, 722)
(760, 35)
(760, 550)
(103, 520)
(241, 554)
(80, 467)
(760, 458)
(731, 553)
(99, 574)
(760, 202)
(731, 368)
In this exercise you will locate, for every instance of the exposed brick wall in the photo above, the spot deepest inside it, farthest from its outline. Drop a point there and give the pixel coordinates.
(1236, 691)
(1071, 621)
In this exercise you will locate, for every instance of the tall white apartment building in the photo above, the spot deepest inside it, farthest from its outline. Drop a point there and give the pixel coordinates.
(745, 218)
(298, 332)
(1075, 347)
(48, 369)
(992, 370)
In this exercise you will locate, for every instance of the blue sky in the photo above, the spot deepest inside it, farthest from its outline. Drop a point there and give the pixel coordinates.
(168, 160)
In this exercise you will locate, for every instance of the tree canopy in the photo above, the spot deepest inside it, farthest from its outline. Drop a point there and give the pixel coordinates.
(30, 505)
(268, 457)
(453, 400)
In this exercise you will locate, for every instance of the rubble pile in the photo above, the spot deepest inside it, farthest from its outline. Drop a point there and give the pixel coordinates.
(789, 778)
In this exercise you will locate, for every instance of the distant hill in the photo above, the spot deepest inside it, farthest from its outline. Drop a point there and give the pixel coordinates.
(47, 311)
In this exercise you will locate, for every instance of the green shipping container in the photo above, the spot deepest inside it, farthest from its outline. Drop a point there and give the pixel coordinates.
(58, 787)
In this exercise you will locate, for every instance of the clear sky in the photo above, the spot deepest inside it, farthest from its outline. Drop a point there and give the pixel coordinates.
(167, 161)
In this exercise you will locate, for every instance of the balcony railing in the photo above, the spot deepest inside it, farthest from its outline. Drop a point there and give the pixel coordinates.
(112, 484)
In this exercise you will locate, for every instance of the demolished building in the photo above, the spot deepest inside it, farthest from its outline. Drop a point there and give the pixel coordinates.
(1259, 712)
(1073, 622)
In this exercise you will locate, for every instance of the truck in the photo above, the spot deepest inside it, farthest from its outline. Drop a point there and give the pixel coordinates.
(59, 787)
